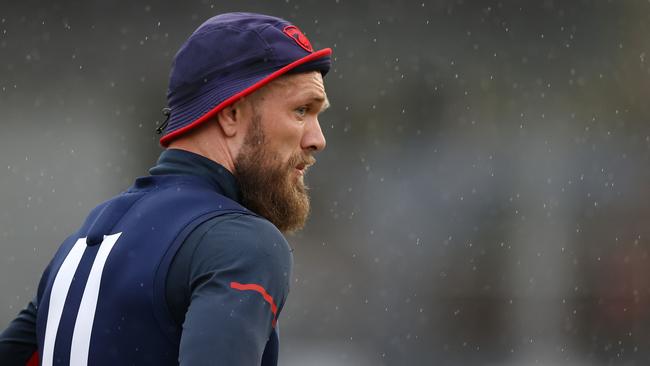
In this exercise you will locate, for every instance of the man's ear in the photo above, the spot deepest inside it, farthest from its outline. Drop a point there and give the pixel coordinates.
(230, 119)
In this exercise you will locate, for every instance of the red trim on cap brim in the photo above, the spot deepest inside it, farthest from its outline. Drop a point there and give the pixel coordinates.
(165, 140)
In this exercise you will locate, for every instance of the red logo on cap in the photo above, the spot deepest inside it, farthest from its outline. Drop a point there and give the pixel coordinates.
(295, 33)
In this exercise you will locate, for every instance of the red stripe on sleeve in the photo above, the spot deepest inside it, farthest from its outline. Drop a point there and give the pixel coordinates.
(262, 291)
(33, 361)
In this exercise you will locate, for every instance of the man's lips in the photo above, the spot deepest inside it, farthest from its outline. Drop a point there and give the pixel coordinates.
(302, 168)
(302, 164)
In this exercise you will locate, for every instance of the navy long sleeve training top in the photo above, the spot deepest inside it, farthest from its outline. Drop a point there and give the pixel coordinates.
(225, 287)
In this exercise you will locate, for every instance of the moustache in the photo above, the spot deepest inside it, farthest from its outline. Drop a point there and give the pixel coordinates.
(301, 161)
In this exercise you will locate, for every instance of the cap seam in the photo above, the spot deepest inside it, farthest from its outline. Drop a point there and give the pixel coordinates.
(268, 46)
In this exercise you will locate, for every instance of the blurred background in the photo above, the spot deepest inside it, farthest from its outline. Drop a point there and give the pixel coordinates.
(484, 198)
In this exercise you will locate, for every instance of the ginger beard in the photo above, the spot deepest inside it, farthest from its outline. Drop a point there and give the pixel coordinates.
(269, 187)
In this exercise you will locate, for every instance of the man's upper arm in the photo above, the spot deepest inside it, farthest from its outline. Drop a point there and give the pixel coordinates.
(239, 281)
(18, 341)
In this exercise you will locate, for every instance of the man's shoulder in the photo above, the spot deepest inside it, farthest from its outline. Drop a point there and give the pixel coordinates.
(242, 231)
(242, 223)
(245, 246)
(239, 235)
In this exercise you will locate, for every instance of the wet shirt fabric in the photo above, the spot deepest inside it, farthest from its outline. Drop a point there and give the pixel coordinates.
(223, 285)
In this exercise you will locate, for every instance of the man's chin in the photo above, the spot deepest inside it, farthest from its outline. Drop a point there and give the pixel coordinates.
(285, 203)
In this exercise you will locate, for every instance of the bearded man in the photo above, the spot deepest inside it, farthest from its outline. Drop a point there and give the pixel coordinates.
(189, 265)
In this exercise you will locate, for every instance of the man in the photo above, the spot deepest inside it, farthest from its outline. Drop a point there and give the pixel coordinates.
(188, 265)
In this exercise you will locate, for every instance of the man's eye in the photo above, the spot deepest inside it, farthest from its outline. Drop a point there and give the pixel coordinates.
(302, 111)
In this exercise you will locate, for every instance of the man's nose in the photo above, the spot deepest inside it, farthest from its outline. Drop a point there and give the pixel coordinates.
(313, 138)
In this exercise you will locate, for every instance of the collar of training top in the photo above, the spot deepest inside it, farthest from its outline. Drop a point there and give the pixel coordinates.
(175, 161)
(228, 57)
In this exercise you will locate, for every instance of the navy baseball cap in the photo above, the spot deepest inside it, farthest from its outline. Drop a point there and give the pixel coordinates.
(228, 57)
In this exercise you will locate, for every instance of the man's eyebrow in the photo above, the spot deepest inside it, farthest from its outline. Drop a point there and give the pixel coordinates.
(321, 99)
(326, 104)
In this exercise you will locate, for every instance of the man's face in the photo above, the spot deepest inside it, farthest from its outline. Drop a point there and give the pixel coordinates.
(282, 137)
